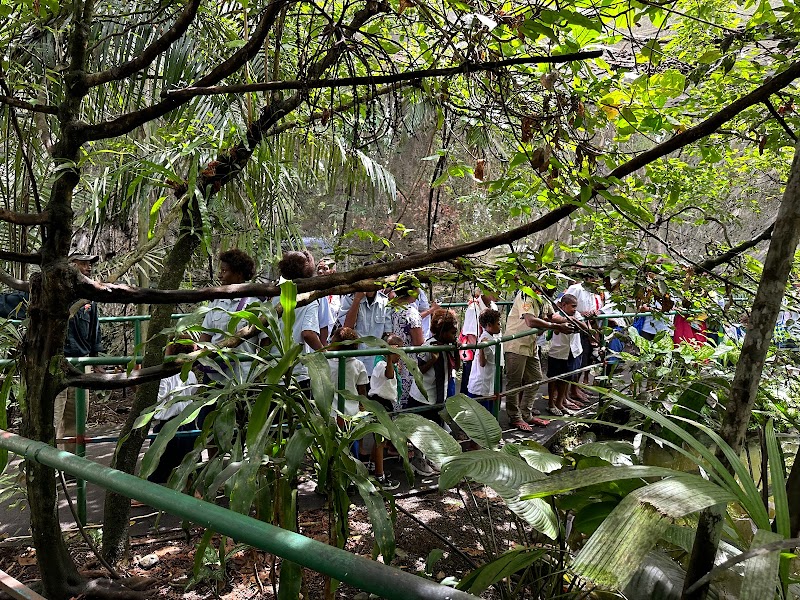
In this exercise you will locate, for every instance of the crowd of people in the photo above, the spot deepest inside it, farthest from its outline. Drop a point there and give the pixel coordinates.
(562, 353)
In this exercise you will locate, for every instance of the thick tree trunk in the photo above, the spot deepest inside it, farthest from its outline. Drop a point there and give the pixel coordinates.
(52, 292)
(766, 306)
(117, 509)
(116, 513)
(44, 343)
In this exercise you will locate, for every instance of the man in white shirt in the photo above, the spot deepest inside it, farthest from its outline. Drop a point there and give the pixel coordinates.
(369, 314)
(564, 357)
(522, 355)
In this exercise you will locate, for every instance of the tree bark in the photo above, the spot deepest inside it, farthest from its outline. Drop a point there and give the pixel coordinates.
(117, 509)
(766, 306)
(52, 292)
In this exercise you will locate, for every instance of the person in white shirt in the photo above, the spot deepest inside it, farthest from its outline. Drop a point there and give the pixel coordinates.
(565, 354)
(174, 394)
(482, 374)
(299, 265)
(356, 377)
(589, 305)
(328, 305)
(235, 266)
(384, 387)
(471, 331)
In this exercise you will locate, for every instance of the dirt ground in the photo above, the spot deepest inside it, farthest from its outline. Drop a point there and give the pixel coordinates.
(253, 574)
(249, 573)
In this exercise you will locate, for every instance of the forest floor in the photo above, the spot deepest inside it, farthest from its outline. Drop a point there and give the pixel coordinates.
(449, 524)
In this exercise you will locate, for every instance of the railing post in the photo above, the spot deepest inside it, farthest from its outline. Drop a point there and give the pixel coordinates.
(341, 381)
(498, 379)
(80, 449)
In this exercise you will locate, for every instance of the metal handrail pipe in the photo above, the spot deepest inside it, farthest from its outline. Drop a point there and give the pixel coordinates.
(368, 575)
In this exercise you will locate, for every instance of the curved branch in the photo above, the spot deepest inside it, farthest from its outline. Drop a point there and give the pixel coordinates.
(117, 381)
(779, 117)
(39, 108)
(463, 68)
(130, 121)
(31, 258)
(21, 218)
(150, 53)
(13, 282)
(726, 257)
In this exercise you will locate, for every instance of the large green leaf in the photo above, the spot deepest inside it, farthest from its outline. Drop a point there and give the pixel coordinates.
(477, 422)
(296, 449)
(489, 468)
(742, 484)
(537, 512)
(658, 577)
(761, 572)
(505, 474)
(537, 456)
(614, 452)
(382, 527)
(777, 479)
(322, 388)
(613, 553)
(505, 565)
(572, 480)
(435, 442)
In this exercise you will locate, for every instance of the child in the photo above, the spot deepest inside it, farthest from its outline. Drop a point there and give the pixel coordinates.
(384, 386)
(356, 377)
(173, 396)
(435, 366)
(565, 354)
(482, 374)
(383, 383)
(436, 375)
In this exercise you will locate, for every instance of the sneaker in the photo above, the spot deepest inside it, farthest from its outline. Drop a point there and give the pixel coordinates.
(369, 465)
(386, 483)
(434, 467)
(420, 466)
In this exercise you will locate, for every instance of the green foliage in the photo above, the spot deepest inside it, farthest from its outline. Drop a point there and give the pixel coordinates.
(258, 458)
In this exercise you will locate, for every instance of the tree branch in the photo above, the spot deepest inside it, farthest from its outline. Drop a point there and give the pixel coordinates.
(21, 218)
(152, 51)
(726, 257)
(130, 121)
(343, 106)
(130, 294)
(780, 119)
(13, 282)
(304, 84)
(117, 381)
(17, 103)
(31, 258)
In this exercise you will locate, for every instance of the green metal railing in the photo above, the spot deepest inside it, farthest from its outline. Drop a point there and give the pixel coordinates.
(81, 396)
(368, 575)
